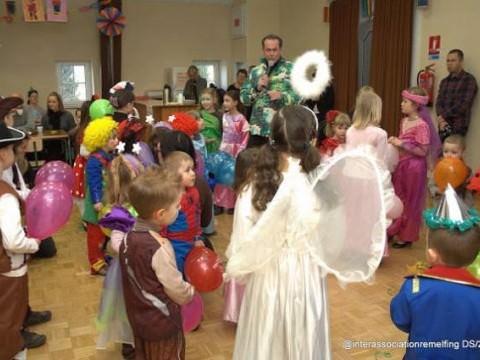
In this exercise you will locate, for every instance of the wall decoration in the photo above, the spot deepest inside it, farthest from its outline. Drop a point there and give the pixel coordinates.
(10, 10)
(33, 11)
(237, 21)
(94, 6)
(110, 21)
(57, 10)
(434, 47)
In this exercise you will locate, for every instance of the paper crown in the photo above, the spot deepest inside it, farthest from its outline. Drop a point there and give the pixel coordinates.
(451, 213)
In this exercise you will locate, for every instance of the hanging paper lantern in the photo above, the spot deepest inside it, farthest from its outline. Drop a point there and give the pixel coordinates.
(110, 21)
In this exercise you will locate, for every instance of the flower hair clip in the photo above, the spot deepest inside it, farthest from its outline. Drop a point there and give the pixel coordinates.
(171, 118)
(331, 115)
(150, 120)
(136, 148)
(120, 147)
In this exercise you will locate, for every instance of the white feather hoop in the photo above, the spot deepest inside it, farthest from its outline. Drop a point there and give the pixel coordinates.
(310, 88)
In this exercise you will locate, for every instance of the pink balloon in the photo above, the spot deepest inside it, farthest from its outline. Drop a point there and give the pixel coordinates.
(48, 208)
(56, 171)
(192, 313)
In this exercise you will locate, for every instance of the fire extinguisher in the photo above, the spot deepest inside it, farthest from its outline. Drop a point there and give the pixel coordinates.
(426, 80)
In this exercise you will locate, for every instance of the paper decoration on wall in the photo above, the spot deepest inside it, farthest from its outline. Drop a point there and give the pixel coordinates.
(110, 21)
(10, 10)
(94, 6)
(57, 10)
(33, 10)
(237, 21)
(434, 47)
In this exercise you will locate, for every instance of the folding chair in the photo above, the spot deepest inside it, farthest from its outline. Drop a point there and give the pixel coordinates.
(35, 145)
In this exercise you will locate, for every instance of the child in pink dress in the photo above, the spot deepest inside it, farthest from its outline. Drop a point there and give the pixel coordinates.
(366, 122)
(234, 140)
(366, 131)
(416, 142)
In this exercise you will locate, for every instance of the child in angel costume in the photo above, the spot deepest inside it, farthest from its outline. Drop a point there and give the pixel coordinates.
(296, 223)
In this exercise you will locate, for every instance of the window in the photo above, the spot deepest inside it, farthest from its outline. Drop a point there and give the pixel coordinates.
(209, 70)
(75, 82)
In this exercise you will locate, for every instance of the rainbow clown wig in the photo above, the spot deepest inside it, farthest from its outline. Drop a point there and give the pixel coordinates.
(98, 132)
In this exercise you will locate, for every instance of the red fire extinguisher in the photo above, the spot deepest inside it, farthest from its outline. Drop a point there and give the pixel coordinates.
(426, 80)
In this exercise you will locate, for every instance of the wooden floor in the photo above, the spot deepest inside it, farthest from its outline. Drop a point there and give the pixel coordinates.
(64, 285)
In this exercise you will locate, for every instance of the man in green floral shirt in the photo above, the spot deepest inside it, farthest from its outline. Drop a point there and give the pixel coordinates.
(268, 89)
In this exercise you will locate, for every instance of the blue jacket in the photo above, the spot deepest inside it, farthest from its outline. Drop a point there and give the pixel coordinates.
(442, 307)
(96, 163)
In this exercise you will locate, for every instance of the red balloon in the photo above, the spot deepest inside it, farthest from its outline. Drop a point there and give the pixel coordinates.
(192, 313)
(203, 269)
(47, 209)
(56, 171)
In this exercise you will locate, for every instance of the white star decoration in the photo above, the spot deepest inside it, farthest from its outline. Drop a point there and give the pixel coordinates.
(149, 119)
(171, 118)
(136, 148)
(121, 147)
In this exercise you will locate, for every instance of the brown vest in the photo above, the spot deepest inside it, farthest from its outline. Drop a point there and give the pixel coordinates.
(5, 263)
(147, 321)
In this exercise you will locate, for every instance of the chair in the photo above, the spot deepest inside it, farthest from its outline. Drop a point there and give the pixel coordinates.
(35, 145)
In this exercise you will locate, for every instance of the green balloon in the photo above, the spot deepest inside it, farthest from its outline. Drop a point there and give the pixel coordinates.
(100, 108)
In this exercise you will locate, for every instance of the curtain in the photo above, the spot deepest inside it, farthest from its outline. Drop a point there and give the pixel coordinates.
(110, 56)
(343, 52)
(391, 57)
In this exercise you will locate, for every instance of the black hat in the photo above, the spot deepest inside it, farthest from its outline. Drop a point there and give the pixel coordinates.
(9, 103)
(9, 135)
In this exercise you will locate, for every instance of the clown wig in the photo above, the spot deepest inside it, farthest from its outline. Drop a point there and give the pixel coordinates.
(98, 132)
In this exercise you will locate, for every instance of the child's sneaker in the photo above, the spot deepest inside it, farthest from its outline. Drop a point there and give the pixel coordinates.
(99, 268)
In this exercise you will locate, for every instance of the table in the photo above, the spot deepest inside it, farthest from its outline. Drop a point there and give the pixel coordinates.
(57, 135)
(159, 110)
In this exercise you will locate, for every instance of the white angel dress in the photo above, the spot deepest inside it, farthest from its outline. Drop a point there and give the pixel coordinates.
(330, 221)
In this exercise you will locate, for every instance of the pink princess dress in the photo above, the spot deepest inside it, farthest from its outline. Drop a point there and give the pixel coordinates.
(410, 179)
(234, 140)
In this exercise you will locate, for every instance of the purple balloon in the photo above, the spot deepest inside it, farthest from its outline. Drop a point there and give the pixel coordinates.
(192, 313)
(145, 155)
(48, 208)
(56, 171)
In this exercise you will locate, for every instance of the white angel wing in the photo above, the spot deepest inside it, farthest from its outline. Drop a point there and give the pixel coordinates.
(264, 239)
(349, 237)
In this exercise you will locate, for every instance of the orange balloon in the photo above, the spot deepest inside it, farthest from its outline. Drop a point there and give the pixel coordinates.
(451, 171)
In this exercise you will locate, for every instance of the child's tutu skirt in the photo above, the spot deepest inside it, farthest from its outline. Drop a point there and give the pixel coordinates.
(112, 321)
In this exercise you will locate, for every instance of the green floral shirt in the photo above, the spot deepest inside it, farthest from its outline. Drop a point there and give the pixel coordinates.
(263, 108)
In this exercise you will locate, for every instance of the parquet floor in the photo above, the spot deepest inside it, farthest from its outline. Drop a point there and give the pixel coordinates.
(64, 286)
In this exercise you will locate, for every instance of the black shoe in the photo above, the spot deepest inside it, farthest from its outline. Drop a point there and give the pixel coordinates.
(217, 210)
(230, 211)
(33, 340)
(37, 317)
(128, 352)
(401, 245)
